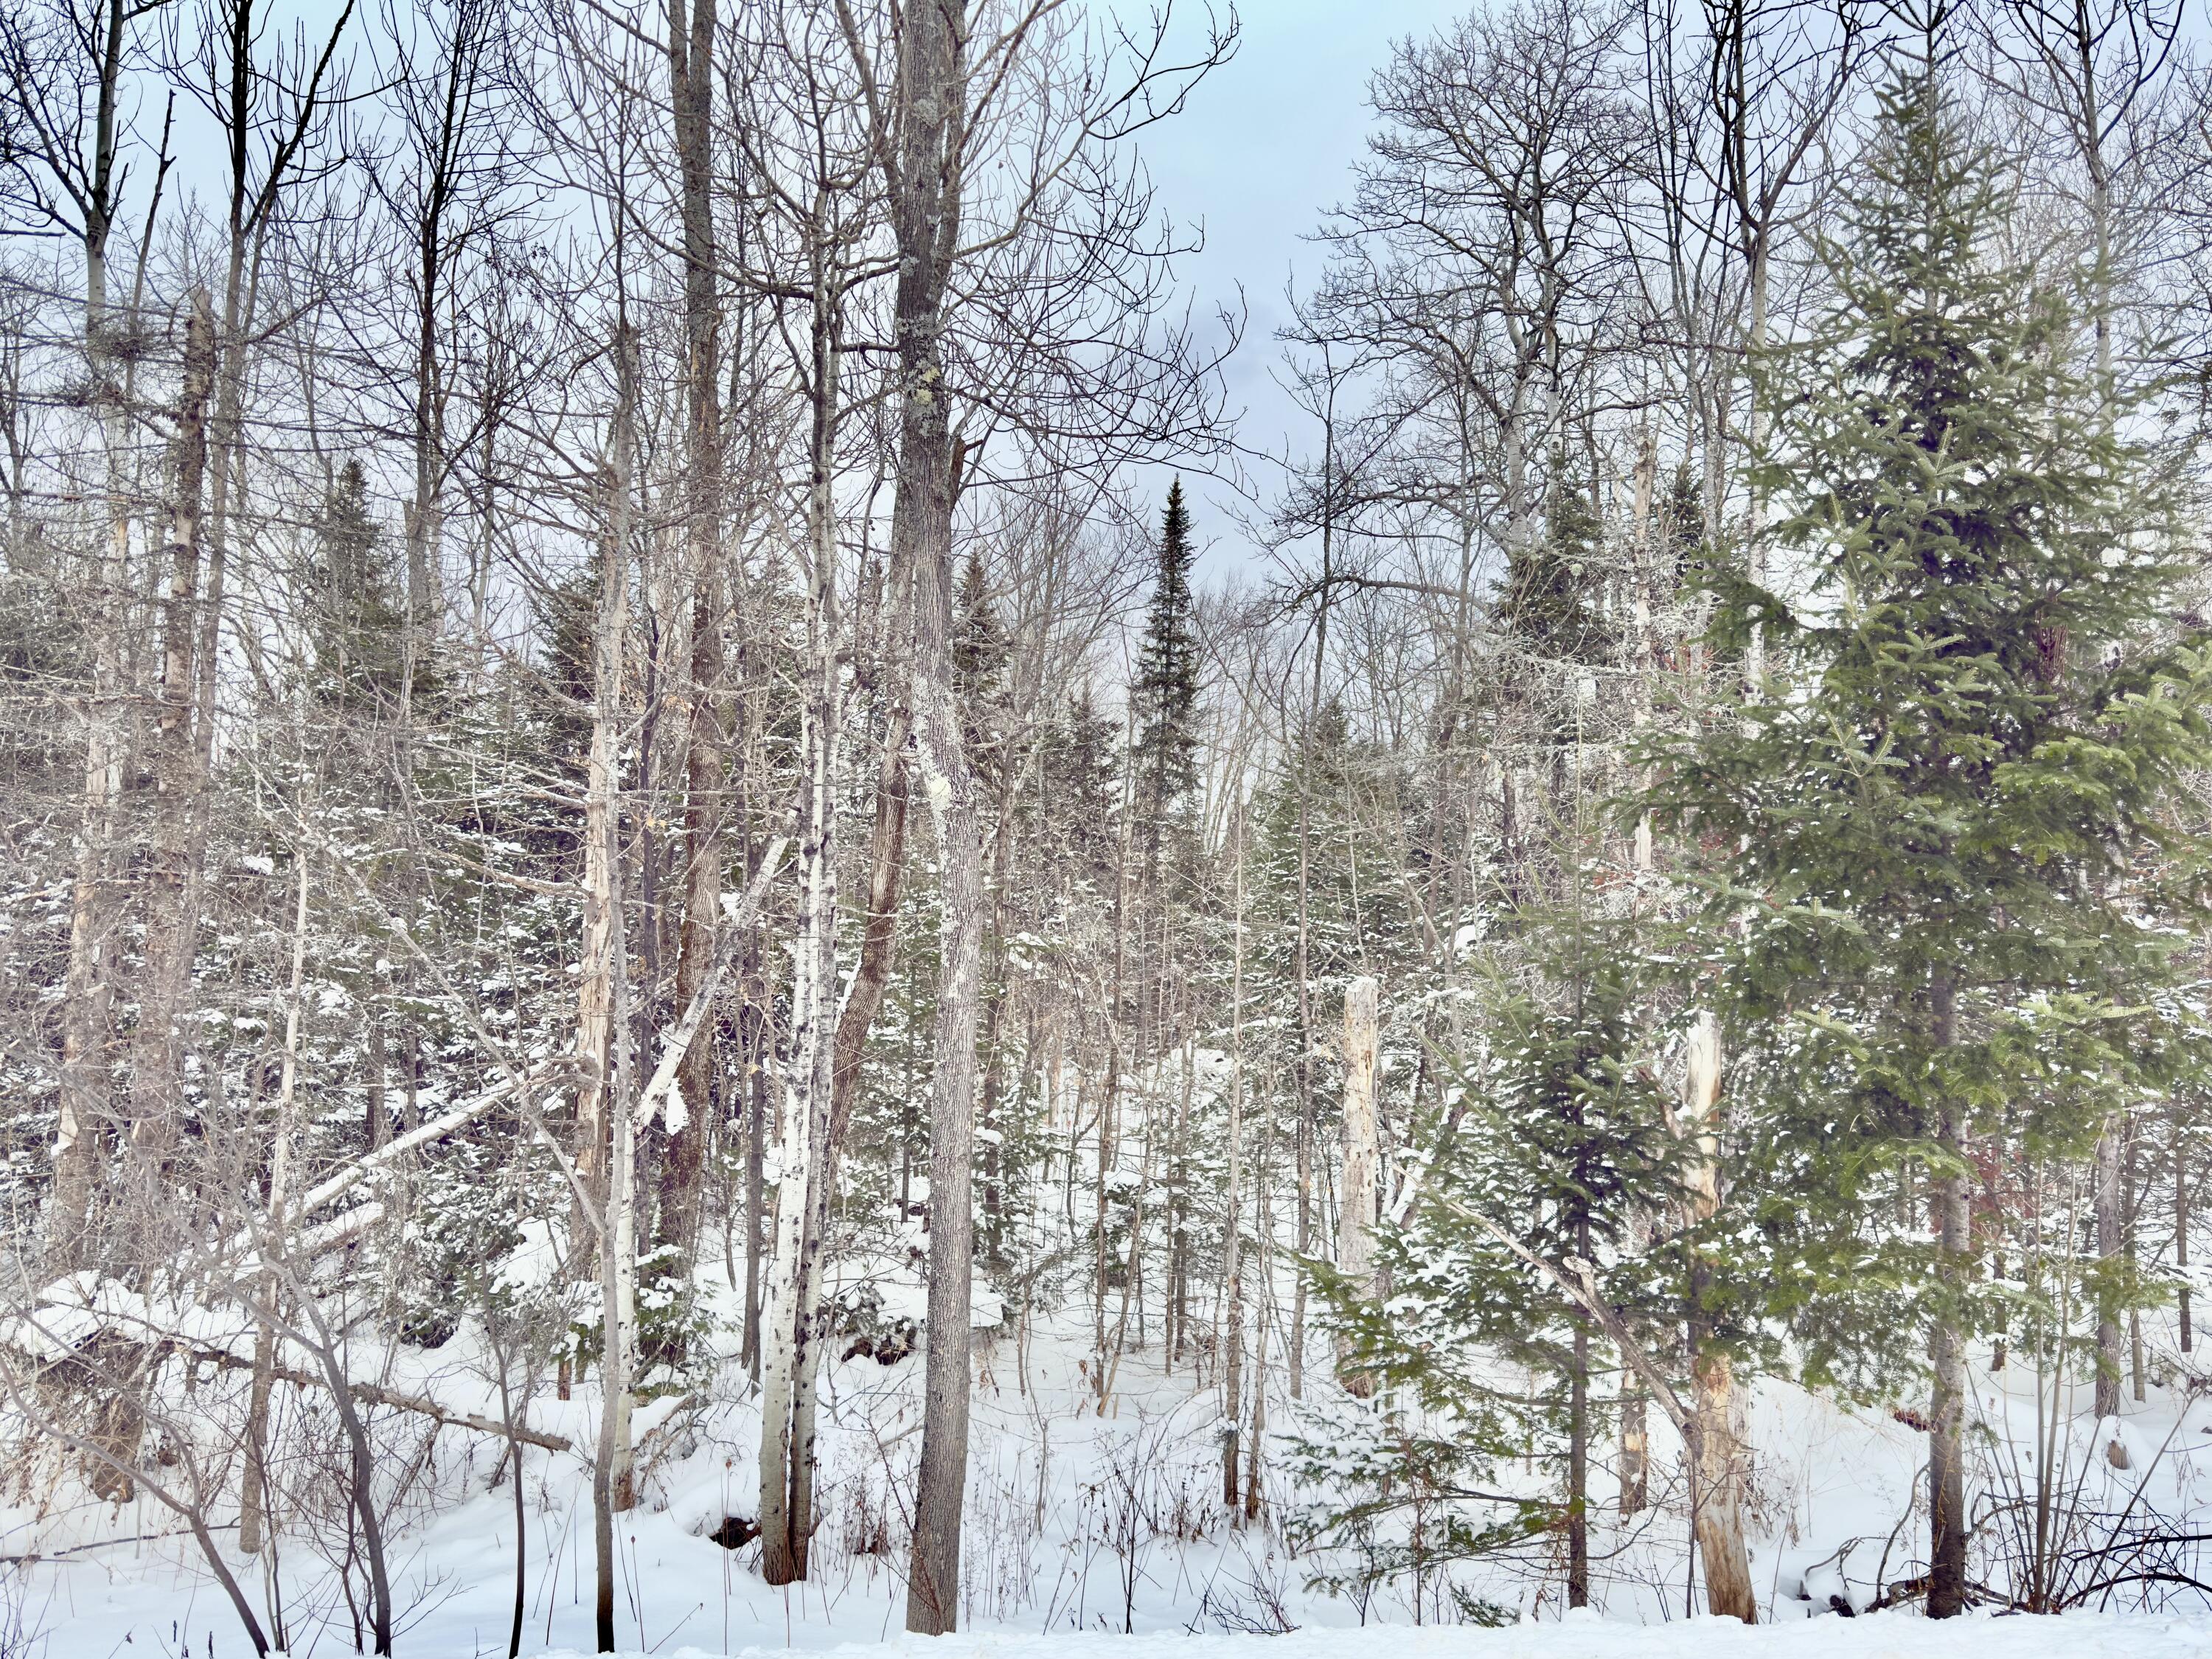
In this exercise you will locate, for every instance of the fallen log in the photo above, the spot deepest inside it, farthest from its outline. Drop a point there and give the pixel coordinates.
(369, 1394)
(372, 1394)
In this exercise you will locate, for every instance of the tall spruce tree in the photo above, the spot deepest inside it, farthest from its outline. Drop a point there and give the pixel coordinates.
(1166, 691)
(1939, 841)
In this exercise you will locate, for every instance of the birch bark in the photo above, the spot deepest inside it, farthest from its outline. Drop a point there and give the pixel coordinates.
(606, 1156)
(787, 1356)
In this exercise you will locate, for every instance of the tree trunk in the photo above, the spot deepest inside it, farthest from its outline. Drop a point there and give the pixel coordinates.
(361, 1467)
(2181, 1230)
(930, 97)
(879, 934)
(786, 1358)
(380, 1112)
(2134, 1185)
(1355, 1228)
(253, 1482)
(1232, 1239)
(86, 992)
(1579, 1437)
(805, 1369)
(1635, 1451)
(1257, 1438)
(170, 884)
(993, 1019)
(1716, 1461)
(933, 1586)
(757, 1110)
(1947, 1415)
(2111, 1245)
(1303, 1155)
(607, 1135)
(692, 67)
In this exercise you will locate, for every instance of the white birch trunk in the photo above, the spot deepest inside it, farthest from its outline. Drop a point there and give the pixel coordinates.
(786, 1356)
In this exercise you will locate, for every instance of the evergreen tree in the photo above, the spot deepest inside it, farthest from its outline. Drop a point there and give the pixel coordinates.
(1359, 919)
(1078, 793)
(1166, 694)
(357, 615)
(1560, 1138)
(562, 686)
(1682, 529)
(980, 655)
(1550, 599)
(1931, 835)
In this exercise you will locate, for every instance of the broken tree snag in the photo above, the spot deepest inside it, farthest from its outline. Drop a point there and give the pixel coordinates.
(1355, 1232)
(1635, 1451)
(1717, 1472)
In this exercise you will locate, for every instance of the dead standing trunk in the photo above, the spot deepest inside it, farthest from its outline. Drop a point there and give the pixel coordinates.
(1355, 1232)
(1635, 1449)
(1716, 1455)
(171, 887)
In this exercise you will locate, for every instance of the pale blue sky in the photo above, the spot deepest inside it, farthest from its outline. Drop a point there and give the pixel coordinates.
(1268, 143)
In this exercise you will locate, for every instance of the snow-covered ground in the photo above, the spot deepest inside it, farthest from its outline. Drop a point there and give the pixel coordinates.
(1081, 1527)
(1586, 1636)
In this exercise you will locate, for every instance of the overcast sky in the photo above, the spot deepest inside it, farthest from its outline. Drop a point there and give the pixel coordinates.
(1268, 143)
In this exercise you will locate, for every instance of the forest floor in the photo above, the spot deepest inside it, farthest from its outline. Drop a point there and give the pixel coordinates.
(1105, 1525)
(1586, 1636)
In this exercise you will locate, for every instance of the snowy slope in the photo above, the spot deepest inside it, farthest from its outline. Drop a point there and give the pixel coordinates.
(1086, 1526)
(1588, 1637)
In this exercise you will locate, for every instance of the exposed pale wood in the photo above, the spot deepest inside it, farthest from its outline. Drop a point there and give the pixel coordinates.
(1355, 1230)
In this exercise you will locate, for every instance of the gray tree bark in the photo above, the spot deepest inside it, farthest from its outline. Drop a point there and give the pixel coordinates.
(603, 1036)
(172, 877)
(87, 989)
(692, 75)
(1946, 1468)
(924, 162)
(2112, 1244)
